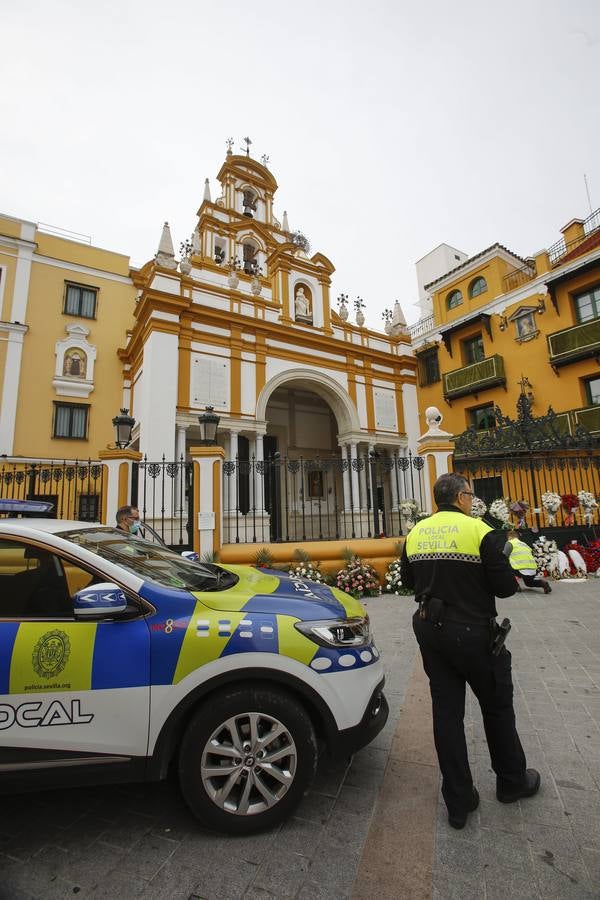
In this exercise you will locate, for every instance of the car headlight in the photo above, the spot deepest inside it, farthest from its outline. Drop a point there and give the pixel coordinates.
(338, 632)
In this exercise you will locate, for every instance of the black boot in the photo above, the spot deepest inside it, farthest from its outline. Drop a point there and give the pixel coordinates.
(459, 820)
(530, 786)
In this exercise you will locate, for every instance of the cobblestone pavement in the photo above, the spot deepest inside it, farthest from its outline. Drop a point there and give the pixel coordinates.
(547, 846)
(140, 841)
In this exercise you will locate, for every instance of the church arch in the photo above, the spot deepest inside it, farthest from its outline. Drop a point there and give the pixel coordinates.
(319, 383)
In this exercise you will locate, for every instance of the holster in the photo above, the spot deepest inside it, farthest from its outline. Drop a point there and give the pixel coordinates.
(432, 609)
(499, 635)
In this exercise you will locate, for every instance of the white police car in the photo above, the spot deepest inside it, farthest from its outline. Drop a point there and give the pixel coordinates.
(118, 657)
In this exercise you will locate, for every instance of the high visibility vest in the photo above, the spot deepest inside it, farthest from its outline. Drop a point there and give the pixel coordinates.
(521, 557)
(447, 535)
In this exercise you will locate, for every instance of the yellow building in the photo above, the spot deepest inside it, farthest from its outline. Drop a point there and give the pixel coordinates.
(498, 327)
(65, 307)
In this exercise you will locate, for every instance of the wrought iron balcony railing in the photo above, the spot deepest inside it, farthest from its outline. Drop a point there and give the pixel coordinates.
(520, 276)
(589, 417)
(474, 378)
(571, 344)
(560, 249)
(423, 326)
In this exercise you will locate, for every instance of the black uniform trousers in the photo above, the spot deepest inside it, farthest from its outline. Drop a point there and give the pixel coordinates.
(456, 654)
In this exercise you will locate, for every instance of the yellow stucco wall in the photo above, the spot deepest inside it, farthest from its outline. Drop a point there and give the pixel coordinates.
(564, 389)
(47, 323)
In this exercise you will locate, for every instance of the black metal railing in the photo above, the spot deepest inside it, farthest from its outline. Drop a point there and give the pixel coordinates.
(560, 249)
(74, 488)
(529, 476)
(297, 499)
(163, 492)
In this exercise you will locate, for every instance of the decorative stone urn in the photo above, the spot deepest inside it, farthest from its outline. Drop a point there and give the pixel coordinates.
(233, 280)
(388, 328)
(185, 266)
(360, 318)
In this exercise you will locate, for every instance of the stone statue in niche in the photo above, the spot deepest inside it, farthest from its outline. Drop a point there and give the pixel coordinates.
(302, 307)
(74, 364)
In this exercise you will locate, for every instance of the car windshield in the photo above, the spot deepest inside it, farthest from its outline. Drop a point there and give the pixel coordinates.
(148, 561)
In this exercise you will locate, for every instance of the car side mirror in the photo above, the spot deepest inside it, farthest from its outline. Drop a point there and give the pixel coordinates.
(191, 555)
(104, 599)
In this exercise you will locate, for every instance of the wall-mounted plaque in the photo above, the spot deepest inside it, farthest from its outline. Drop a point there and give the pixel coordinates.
(210, 382)
(385, 410)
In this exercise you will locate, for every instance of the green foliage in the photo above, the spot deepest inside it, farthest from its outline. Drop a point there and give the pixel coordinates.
(264, 559)
(301, 556)
(347, 555)
(211, 556)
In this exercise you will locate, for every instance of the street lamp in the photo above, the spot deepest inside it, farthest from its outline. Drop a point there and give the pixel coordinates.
(209, 422)
(123, 425)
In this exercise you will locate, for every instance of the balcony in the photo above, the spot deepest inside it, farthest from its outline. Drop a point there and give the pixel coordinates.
(518, 277)
(558, 252)
(477, 377)
(571, 344)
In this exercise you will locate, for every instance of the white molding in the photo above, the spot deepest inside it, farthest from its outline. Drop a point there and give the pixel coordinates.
(82, 270)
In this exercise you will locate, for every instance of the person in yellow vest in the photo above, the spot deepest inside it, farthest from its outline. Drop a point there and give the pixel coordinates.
(524, 564)
(457, 567)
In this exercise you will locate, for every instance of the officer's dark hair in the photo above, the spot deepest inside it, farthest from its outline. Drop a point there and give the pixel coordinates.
(447, 488)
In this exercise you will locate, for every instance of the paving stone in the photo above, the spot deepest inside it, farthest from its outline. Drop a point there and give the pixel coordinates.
(119, 885)
(315, 808)
(175, 880)
(501, 816)
(546, 839)
(225, 882)
(283, 874)
(591, 859)
(562, 878)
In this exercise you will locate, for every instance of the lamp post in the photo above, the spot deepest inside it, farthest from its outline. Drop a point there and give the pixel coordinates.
(123, 425)
(209, 422)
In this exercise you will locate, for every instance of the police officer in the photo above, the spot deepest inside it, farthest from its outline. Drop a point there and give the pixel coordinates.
(456, 565)
(523, 562)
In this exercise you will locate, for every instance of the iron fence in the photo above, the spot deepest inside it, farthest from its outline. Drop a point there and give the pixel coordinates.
(163, 492)
(74, 488)
(297, 499)
(528, 477)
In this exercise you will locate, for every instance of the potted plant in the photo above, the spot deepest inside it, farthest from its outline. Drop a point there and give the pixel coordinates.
(186, 248)
(255, 284)
(387, 315)
(342, 302)
(233, 278)
(359, 305)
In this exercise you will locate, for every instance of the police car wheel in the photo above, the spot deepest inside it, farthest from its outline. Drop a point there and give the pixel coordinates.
(246, 759)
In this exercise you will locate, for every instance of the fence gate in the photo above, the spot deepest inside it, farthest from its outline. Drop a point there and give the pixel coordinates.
(524, 458)
(164, 493)
(297, 499)
(75, 488)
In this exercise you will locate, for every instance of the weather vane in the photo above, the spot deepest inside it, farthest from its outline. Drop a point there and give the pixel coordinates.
(264, 160)
(247, 142)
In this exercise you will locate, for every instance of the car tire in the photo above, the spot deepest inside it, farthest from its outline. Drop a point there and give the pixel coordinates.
(264, 741)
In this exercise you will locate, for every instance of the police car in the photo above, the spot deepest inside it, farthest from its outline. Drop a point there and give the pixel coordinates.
(120, 659)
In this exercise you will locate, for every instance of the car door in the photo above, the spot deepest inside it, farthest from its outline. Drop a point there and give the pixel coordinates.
(71, 692)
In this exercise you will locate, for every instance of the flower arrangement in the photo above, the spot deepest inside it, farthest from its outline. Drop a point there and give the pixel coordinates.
(588, 504)
(569, 502)
(551, 502)
(393, 582)
(309, 571)
(520, 508)
(499, 510)
(357, 578)
(590, 554)
(545, 555)
(478, 508)
(410, 510)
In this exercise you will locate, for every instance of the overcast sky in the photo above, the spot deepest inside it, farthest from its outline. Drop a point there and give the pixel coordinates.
(390, 126)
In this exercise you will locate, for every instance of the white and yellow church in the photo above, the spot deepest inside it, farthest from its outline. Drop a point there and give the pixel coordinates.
(317, 414)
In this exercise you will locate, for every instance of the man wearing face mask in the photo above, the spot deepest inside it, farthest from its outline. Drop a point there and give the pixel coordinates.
(128, 519)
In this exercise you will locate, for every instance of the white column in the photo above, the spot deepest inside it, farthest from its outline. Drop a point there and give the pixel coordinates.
(157, 404)
(393, 483)
(346, 479)
(180, 438)
(363, 487)
(354, 479)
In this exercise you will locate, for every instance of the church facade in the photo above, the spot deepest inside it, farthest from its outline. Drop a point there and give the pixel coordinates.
(317, 413)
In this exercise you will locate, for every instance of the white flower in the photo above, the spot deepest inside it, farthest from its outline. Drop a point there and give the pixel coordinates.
(478, 508)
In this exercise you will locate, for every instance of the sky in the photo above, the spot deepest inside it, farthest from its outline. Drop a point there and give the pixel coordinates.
(390, 126)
